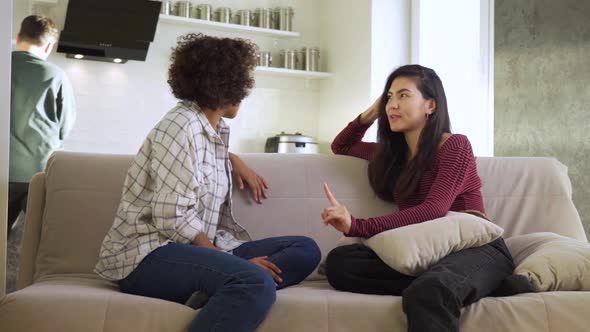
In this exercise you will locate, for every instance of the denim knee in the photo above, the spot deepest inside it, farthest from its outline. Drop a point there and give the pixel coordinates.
(260, 289)
(313, 254)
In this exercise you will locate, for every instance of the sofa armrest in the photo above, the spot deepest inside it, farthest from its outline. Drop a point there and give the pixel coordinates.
(32, 232)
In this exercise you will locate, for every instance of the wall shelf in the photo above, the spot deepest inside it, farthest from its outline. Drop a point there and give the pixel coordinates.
(211, 25)
(314, 75)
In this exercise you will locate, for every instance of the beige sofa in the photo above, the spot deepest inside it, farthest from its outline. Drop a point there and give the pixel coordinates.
(71, 206)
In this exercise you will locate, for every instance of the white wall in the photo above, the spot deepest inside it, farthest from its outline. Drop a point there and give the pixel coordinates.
(5, 45)
(346, 35)
(390, 40)
(119, 104)
(364, 41)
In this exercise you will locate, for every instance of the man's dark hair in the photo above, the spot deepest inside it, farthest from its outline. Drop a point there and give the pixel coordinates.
(38, 30)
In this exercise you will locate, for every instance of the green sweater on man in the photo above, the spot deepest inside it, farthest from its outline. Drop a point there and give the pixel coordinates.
(42, 113)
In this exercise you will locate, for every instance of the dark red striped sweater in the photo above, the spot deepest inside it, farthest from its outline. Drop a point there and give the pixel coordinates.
(451, 185)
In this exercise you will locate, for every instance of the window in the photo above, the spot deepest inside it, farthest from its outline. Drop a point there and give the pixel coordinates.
(455, 38)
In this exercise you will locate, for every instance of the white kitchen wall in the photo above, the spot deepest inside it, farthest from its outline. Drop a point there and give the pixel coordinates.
(346, 32)
(119, 104)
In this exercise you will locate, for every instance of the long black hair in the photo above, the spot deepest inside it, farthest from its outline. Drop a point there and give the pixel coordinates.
(391, 175)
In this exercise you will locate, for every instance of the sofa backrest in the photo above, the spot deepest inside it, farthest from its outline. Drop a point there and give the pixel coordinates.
(529, 194)
(72, 204)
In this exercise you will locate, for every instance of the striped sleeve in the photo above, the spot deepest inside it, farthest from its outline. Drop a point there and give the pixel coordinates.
(455, 162)
(349, 141)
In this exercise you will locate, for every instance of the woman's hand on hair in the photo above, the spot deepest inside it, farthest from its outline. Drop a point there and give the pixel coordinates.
(336, 215)
(242, 173)
(371, 114)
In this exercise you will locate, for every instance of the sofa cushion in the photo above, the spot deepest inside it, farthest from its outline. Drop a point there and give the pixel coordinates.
(413, 249)
(87, 304)
(552, 262)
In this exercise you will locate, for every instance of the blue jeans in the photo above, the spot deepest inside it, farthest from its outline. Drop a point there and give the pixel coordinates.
(240, 292)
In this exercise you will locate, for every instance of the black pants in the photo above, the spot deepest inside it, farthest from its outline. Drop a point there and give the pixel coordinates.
(432, 301)
(17, 201)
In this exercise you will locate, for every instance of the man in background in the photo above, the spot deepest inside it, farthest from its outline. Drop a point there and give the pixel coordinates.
(42, 110)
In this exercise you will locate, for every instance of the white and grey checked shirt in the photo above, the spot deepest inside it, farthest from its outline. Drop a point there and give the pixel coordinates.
(178, 186)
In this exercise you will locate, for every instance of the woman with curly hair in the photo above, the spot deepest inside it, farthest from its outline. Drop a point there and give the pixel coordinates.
(427, 171)
(174, 236)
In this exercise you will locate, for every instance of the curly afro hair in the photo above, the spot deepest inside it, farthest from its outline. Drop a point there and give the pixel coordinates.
(213, 72)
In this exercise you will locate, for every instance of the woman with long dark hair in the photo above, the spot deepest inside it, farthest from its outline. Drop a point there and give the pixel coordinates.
(427, 171)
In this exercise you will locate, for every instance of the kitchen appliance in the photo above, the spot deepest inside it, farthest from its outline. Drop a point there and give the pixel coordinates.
(109, 30)
(291, 143)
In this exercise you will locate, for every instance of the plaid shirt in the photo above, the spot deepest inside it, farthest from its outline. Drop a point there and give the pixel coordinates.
(178, 186)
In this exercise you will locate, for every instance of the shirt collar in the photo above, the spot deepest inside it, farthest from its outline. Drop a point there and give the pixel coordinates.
(222, 127)
(28, 54)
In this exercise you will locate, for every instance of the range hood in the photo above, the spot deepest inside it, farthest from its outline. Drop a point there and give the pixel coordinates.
(109, 30)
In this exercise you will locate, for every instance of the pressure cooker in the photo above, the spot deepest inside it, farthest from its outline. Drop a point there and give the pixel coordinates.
(291, 143)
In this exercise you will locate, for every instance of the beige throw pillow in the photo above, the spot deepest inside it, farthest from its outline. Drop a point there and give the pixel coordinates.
(551, 262)
(413, 249)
